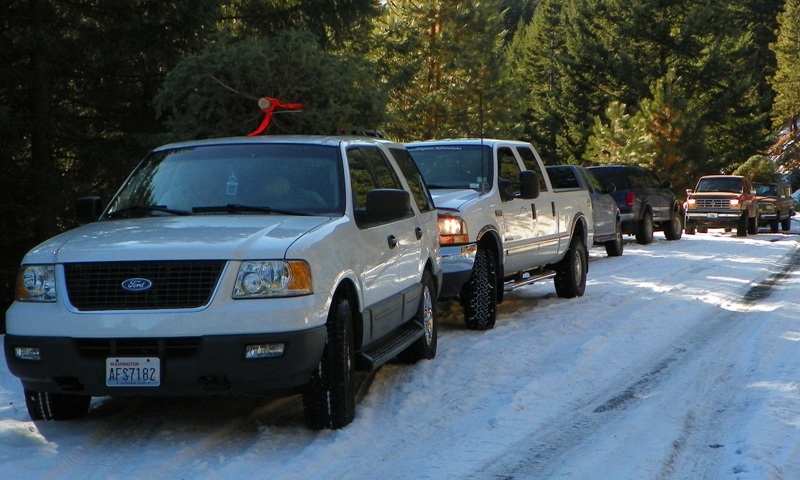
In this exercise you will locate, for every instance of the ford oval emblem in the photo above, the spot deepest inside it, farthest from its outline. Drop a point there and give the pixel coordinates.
(137, 284)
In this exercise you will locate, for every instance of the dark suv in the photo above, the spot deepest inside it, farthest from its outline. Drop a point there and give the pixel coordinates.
(645, 203)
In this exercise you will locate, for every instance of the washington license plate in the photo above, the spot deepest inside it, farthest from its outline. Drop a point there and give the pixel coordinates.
(133, 371)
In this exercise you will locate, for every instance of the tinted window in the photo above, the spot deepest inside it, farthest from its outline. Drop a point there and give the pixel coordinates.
(507, 164)
(563, 177)
(611, 176)
(414, 178)
(369, 170)
(529, 159)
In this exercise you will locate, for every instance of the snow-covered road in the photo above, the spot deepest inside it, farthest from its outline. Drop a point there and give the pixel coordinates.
(681, 361)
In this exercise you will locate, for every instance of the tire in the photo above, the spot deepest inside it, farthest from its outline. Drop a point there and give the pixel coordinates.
(673, 230)
(644, 229)
(786, 224)
(570, 279)
(752, 224)
(702, 229)
(614, 247)
(690, 228)
(741, 226)
(425, 347)
(329, 398)
(479, 294)
(773, 226)
(55, 406)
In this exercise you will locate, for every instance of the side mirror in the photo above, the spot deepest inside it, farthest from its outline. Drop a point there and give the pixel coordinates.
(529, 184)
(88, 209)
(610, 188)
(689, 191)
(666, 184)
(387, 205)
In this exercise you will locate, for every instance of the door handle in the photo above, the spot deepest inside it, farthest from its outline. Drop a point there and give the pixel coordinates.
(418, 232)
(392, 241)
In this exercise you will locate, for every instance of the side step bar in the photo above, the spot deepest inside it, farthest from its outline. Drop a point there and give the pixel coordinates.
(527, 280)
(377, 355)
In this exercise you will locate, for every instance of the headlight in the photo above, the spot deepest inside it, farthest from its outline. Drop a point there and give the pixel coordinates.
(452, 230)
(273, 278)
(36, 283)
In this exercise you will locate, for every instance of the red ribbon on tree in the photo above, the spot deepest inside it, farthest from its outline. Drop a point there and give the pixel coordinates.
(268, 106)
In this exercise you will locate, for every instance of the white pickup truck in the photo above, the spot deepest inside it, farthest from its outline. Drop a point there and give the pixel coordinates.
(501, 224)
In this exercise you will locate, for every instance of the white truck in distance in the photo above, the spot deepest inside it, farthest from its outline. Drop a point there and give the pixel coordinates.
(501, 225)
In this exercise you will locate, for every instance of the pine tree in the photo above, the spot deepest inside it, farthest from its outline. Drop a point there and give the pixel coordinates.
(786, 82)
(442, 62)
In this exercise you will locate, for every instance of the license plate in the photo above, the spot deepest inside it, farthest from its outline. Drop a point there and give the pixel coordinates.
(133, 371)
(712, 215)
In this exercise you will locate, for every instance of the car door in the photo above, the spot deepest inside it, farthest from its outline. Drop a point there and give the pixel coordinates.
(604, 206)
(547, 233)
(387, 249)
(518, 218)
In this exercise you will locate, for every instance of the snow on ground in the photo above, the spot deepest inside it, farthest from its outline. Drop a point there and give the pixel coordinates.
(681, 361)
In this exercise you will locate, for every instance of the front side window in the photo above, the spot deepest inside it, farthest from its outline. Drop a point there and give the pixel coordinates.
(414, 178)
(369, 170)
(529, 159)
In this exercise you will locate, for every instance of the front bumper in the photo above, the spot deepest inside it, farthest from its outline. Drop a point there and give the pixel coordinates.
(456, 268)
(204, 365)
(714, 219)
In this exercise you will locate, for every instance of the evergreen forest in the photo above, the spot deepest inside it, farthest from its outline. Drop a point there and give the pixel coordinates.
(88, 87)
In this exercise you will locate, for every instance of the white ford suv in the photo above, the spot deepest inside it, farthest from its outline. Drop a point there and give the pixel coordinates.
(239, 265)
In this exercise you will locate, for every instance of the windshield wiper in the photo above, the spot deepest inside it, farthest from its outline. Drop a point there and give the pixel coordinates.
(143, 209)
(238, 208)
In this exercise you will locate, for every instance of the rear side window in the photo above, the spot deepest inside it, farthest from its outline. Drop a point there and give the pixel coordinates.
(611, 176)
(563, 177)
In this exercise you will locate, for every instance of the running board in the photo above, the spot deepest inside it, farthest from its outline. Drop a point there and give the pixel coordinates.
(531, 278)
(375, 356)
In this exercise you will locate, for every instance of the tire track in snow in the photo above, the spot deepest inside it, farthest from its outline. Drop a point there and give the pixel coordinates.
(541, 454)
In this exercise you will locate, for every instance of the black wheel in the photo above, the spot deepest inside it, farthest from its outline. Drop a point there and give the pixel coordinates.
(55, 406)
(329, 398)
(773, 226)
(479, 294)
(614, 247)
(570, 279)
(644, 230)
(673, 230)
(425, 347)
(690, 227)
(786, 224)
(741, 226)
(752, 224)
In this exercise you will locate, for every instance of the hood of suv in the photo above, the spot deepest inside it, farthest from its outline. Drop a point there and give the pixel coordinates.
(200, 237)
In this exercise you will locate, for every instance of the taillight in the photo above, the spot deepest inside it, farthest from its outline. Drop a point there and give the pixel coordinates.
(630, 199)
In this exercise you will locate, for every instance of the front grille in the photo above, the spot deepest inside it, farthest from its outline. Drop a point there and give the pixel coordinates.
(138, 347)
(175, 284)
(713, 203)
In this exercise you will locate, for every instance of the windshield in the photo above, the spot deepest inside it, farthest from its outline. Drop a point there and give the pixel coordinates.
(454, 166)
(720, 184)
(245, 178)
